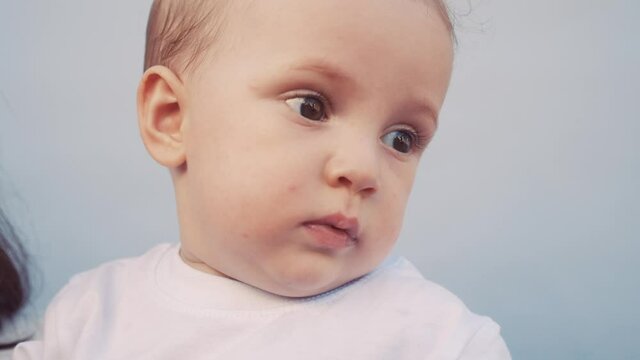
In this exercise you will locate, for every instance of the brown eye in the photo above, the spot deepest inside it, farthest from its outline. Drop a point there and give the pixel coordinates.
(400, 140)
(309, 107)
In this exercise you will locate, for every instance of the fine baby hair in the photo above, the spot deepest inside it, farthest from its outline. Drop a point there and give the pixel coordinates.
(180, 32)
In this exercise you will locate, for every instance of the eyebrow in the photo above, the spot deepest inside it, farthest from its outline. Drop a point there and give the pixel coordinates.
(324, 68)
(424, 105)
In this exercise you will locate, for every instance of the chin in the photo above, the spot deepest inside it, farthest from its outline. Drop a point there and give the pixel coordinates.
(307, 281)
(305, 291)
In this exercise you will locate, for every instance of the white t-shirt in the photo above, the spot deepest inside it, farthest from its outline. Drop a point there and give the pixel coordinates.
(157, 307)
(22, 326)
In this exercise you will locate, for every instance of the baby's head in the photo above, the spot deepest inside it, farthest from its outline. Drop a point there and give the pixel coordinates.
(292, 129)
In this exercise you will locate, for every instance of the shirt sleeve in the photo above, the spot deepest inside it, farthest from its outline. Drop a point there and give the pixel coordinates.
(28, 350)
(486, 344)
(63, 324)
(38, 349)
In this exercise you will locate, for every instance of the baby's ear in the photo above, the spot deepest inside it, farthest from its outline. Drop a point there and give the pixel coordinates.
(161, 115)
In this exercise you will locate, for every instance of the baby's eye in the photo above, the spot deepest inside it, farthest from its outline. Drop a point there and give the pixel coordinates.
(403, 141)
(311, 107)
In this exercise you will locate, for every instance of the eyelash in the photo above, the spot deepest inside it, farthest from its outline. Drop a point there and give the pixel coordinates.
(419, 140)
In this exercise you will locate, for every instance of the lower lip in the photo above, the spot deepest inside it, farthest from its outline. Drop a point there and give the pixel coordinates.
(329, 237)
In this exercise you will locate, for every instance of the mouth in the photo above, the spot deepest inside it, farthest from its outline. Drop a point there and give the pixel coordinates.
(334, 232)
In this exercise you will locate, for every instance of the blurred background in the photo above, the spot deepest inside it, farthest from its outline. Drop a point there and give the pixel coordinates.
(526, 205)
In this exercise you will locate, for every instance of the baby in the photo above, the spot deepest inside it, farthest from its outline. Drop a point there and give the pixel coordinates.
(292, 130)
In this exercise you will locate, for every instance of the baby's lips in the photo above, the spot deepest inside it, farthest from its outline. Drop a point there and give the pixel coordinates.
(339, 221)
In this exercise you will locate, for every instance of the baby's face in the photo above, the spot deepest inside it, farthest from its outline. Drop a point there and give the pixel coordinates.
(303, 137)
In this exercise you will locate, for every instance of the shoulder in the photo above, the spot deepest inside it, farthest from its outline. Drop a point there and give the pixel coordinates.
(401, 278)
(112, 275)
(100, 287)
(423, 309)
(87, 302)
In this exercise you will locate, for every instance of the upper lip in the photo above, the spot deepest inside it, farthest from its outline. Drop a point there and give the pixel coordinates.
(347, 224)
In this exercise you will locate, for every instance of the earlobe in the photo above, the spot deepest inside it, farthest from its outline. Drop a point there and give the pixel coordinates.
(161, 101)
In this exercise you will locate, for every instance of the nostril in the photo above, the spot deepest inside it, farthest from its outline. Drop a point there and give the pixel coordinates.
(343, 180)
(362, 186)
(368, 191)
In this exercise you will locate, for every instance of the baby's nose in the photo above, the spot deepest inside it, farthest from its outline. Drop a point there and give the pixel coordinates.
(356, 167)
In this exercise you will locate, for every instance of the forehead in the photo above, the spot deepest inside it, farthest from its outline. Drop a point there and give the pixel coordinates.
(336, 22)
(374, 43)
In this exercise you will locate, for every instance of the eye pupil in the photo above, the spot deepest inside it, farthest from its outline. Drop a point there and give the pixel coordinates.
(402, 142)
(311, 109)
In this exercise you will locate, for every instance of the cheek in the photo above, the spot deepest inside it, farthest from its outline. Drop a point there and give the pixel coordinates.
(292, 189)
(390, 221)
(390, 210)
(398, 184)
